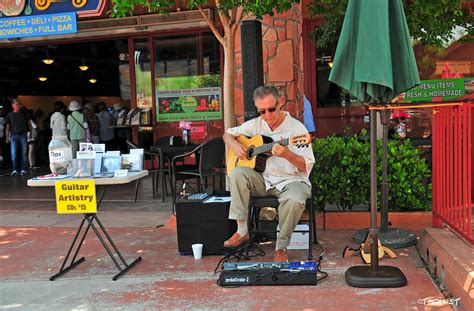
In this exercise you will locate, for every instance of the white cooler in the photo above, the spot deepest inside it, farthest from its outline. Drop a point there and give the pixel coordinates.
(299, 240)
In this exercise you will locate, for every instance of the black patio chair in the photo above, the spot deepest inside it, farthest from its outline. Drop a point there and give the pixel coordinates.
(209, 157)
(164, 163)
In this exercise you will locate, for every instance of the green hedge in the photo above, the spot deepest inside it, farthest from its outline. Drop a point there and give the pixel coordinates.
(341, 174)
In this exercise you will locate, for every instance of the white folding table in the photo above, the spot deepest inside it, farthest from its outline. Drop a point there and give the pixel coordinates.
(103, 183)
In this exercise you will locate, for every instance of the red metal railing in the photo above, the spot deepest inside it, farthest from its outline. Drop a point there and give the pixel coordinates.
(452, 168)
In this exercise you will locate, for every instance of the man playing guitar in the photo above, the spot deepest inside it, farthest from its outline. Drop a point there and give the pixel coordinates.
(286, 173)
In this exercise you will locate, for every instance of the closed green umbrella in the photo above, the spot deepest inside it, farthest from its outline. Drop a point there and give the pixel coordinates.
(375, 62)
(374, 58)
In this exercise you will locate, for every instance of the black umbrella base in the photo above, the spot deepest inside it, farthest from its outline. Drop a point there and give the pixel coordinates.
(393, 238)
(384, 277)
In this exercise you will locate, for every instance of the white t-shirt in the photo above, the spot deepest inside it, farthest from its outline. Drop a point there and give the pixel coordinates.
(33, 135)
(58, 124)
(279, 171)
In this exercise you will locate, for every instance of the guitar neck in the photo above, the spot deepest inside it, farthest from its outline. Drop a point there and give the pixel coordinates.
(267, 147)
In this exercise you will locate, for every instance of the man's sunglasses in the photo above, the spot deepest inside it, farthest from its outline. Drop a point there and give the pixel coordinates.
(263, 111)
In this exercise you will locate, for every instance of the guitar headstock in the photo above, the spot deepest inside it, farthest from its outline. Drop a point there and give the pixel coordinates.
(301, 140)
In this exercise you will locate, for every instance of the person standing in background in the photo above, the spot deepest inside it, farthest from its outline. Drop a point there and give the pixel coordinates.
(107, 134)
(121, 133)
(93, 122)
(32, 140)
(75, 124)
(58, 123)
(2, 136)
(18, 125)
(308, 116)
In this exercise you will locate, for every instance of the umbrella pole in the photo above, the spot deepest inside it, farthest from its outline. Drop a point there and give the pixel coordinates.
(384, 186)
(374, 276)
(390, 237)
(373, 231)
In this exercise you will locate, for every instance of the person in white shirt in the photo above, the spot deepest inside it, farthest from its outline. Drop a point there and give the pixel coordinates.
(286, 174)
(58, 120)
(32, 140)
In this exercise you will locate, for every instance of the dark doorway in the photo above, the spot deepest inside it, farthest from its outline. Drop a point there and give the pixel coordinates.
(21, 68)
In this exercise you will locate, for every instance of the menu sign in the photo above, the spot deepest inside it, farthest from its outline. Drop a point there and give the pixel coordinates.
(446, 89)
(44, 25)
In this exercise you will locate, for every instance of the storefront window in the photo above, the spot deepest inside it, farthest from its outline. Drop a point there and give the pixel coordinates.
(337, 111)
(187, 78)
(211, 56)
(330, 94)
(142, 115)
(142, 74)
(175, 56)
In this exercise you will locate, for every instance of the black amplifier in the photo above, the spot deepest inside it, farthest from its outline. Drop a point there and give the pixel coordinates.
(206, 223)
(269, 273)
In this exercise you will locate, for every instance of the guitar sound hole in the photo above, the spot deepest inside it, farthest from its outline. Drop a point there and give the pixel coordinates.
(250, 152)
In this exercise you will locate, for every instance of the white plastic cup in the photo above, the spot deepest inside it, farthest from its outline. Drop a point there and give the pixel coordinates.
(197, 250)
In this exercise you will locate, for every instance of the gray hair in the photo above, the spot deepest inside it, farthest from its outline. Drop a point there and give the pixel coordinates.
(265, 90)
(15, 100)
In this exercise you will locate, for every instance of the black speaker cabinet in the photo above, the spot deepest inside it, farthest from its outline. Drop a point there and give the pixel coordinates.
(252, 63)
(206, 223)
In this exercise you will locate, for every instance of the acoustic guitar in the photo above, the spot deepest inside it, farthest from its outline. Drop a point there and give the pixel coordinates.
(258, 150)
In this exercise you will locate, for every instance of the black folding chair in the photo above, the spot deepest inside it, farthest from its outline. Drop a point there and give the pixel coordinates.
(210, 159)
(164, 163)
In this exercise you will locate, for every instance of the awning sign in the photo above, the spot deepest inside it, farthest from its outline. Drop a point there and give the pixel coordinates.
(446, 89)
(76, 197)
(83, 8)
(44, 25)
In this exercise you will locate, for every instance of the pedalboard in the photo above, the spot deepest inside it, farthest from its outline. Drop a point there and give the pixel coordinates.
(269, 273)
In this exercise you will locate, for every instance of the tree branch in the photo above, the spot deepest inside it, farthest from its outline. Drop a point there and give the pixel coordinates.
(232, 14)
(223, 17)
(238, 18)
(246, 15)
(212, 26)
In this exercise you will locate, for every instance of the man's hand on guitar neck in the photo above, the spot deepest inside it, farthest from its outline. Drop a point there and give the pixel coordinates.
(280, 151)
(284, 152)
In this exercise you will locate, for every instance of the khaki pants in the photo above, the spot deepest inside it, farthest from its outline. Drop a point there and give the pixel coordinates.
(245, 181)
(75, 146)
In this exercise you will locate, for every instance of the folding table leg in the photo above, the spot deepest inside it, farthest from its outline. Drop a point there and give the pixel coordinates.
(123, 267)
(74, 263)
(136, 189)
(127, 266)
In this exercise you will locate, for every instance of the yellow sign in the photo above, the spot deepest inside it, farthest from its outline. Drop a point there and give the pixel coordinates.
(75, 197)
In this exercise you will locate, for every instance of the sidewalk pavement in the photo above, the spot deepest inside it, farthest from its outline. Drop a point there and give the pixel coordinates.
(34, 240)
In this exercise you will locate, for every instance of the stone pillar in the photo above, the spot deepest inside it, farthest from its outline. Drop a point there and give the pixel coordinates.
(282, 60)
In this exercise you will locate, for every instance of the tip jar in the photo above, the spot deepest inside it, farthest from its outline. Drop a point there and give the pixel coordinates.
(60, 155)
